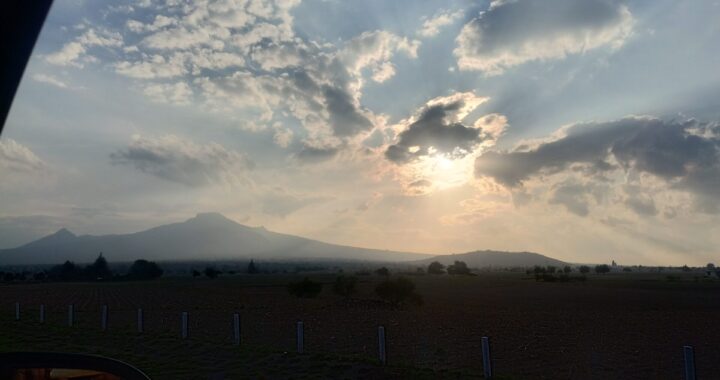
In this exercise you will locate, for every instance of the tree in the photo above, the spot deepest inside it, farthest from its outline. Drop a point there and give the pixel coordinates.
(584, 269)
(436, 268)
(603, 268)
(397, 291)
(344, 285)
(551, 269)
(67, 271)
(99, 269)
(211, 272)
(196, 273)
(383, 271)
(567, 269)
(710, 266)
(252, 269)
(144, 270)
(305, 288)
(459, 267)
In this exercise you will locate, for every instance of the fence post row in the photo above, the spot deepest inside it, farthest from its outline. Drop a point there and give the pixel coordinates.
(140, 321)
(236, 328)
(688, 351)
(487, 363)
(382, 353)
(300, 337)
(689, 354)
(104, 318)
(184, 324)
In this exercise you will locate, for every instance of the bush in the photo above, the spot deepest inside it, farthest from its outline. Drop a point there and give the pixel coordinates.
(600, 269)
(459, 267)
(345, 285)
(398, 291)
(144, 270)
(436, 268)
(305, 288)
(211, 272)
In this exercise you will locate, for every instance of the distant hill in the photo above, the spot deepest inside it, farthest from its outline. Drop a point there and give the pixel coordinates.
(495, 259)
(207, 236)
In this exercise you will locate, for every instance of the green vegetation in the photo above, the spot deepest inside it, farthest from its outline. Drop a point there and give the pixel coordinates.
(436, 268)
(398, 291)
(305, 288)
(459, 267)
(344, 286)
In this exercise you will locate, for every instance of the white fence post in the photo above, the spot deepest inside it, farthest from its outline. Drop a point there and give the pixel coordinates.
(487, 364)
(140, 320)
(236, 328)
(689, 354)
(184, 324)
(71, 311)
(42, 313)
(17, 311)
(300, 337)
(382, 353)
(104, 318)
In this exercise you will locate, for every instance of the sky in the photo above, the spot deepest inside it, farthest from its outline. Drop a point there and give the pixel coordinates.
(588, 131)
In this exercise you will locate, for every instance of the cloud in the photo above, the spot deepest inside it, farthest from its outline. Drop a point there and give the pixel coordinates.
(177, 93)
(183, 161)
(44, 78)
(17, 158)
(431, 26)
(677, 155)
(438, 130)
(73, 53)
(279, 202)
(510, 33)
(313, 155)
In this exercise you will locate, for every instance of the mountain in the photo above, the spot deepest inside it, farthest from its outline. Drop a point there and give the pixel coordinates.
(207, 236)
(483, 259)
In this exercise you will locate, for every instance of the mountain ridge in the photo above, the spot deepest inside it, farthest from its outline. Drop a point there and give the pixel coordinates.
(212, 236)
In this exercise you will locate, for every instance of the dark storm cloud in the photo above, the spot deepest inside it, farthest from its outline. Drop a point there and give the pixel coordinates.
(345, 118)
(313, 155)
(432, 130)
(183, 161)
(685, 154)
(512, 32)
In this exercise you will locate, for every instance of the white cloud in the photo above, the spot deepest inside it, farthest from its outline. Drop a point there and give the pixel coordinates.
(510, 33)
(44, 78)
(15, 157)
(178, 93)
(432, 26)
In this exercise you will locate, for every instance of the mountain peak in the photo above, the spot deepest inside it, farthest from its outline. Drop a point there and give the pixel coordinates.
(210, 217)
(64, 233)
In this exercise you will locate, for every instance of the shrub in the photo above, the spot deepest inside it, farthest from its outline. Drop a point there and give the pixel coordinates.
(459, 267)
(345, 285)
(604, 268)
(436, 268)
(211, 272)
(305, 288)
(398, 291)
(144, 270)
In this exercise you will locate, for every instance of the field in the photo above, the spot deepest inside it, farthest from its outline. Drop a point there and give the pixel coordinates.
(619, 326)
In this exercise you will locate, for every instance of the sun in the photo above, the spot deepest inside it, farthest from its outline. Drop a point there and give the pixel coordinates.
(445, 172)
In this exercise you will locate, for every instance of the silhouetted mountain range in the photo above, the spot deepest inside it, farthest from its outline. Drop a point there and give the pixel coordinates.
(497, 259)
(207, 236)
(211, 236)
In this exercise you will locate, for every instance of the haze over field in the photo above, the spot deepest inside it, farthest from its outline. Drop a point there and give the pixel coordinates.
(587, 130)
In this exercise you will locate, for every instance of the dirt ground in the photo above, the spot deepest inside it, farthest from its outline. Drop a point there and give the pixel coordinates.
(616, 326)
